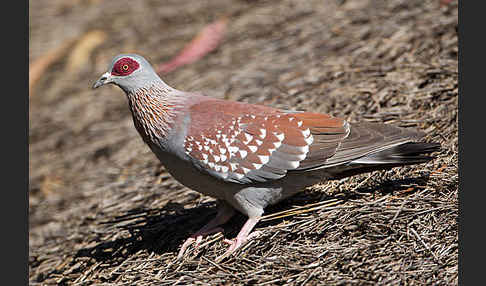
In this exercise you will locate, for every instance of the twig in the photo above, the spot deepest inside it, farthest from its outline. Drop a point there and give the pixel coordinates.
(424, 244)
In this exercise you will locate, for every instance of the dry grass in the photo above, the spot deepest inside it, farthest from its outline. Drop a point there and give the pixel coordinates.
(103, 211)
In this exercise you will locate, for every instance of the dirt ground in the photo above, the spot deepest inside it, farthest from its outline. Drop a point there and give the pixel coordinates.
(103, 211)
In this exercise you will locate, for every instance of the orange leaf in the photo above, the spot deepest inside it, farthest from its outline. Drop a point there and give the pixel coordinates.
(81, 52)
(39, 66)
(444, 2)
(206, 41)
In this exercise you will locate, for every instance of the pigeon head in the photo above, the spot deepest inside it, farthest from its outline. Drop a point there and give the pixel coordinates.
(130, 72)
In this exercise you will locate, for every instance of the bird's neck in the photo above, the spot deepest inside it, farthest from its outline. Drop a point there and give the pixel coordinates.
(154, 110)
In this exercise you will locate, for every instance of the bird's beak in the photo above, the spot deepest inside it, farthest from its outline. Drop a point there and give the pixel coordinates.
(104, 79)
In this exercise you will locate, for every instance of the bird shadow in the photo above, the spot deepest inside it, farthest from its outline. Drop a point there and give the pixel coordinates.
(159, 230)
(163, 230)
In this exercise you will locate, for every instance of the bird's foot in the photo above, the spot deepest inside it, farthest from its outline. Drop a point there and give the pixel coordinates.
(238, 242)
(243, 236)
(196, 239)
(225, 212)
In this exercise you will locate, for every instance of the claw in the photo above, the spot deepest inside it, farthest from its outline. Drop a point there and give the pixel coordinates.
(186, 244)
(196, 239)
(225, 212)
(243, 236)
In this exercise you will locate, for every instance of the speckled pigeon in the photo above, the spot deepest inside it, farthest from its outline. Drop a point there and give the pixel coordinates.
(250, 156)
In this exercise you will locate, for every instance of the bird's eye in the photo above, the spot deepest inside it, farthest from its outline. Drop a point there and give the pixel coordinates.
(124, 67)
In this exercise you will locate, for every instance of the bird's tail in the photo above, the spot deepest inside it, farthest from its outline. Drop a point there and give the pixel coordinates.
(402, 154)
(399, 155)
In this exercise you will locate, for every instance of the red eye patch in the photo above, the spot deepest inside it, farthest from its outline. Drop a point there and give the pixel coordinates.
(124, 66)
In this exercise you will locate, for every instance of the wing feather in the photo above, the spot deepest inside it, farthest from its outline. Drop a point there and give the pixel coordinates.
(246, 148)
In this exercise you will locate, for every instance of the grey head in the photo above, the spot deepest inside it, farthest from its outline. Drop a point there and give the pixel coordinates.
(130, 72)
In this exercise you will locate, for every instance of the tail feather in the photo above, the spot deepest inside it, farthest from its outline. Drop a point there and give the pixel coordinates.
(403, 154)
(370, 147)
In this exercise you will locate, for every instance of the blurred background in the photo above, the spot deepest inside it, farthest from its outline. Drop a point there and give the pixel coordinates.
(90, 174)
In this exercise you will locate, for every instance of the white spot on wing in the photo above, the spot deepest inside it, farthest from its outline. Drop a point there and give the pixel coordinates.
(280, 136)
(238, 176)
(246, 170)
(292, 149)
(306, 132)
(309, 140)
(233, 149)
(346, 126)
(264, 159)
(282, 163)
(252, 148)
(243, 153)
(248, 138)
(263, 133)
(294, 164)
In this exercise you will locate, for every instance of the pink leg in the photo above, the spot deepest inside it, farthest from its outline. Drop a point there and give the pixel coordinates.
(243, 236)
(225, 212)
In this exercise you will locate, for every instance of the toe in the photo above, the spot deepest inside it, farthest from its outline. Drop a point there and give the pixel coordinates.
(253, 235)
(186, 244)
(198, 241)
(229, 241)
